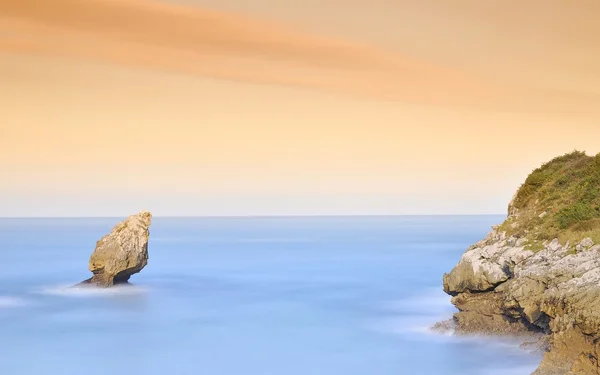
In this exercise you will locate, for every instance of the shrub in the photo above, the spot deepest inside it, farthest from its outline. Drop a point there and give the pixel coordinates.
(578, 212)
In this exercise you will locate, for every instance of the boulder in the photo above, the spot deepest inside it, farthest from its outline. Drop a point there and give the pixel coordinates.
(121, 253)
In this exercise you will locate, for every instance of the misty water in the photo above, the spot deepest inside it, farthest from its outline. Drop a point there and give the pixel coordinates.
(252, 296)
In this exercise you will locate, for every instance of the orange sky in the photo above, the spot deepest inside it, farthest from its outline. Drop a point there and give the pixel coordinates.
(286, 107)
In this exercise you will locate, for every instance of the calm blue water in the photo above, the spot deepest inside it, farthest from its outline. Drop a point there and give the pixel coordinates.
(251, 296)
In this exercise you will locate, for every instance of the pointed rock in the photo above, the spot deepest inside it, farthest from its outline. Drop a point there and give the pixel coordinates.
(121, 253)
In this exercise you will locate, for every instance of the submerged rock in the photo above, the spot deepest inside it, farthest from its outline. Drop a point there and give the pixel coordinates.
(522, 279)
(121, 253)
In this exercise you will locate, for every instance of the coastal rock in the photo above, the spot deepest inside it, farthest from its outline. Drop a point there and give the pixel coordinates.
(585, 244)
(517, 281)
(121, 253)
(486, 264)
(554, 291)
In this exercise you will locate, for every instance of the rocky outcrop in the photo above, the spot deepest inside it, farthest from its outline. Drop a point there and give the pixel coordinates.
(121, 253)
(539, 271)
(501, 287)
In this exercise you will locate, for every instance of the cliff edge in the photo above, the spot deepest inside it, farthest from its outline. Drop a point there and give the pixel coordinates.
(539, 271)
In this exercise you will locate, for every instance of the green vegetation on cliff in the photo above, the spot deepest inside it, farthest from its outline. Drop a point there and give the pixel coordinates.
(560, 199)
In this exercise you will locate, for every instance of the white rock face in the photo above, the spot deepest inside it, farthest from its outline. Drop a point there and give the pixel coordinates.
(585, 244)
(486, 264)
(499, 284)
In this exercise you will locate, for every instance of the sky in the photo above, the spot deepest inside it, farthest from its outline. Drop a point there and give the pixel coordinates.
(288, 107)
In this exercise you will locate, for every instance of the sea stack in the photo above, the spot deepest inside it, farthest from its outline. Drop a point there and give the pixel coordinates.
(539, 271)
(121, 253)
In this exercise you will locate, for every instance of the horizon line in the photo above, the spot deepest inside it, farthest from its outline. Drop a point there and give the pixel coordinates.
(246, 216)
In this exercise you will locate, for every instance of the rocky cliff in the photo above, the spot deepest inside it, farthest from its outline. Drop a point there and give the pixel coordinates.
(121, 253)
(539, 271)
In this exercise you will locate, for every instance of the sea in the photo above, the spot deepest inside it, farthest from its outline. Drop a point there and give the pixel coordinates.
(245, 296)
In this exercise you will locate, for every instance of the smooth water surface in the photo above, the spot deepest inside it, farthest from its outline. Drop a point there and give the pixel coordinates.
(244, 296)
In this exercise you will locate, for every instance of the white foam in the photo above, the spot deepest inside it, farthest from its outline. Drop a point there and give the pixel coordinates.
(418, 327)
(92, 291)
(432, 301)
(10, 302)
(417, 313)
